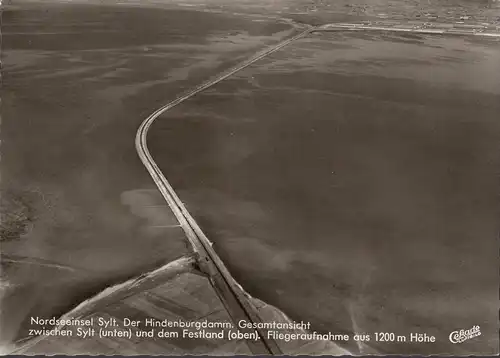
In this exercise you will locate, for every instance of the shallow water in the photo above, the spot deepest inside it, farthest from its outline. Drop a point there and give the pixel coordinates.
(77, 83)
(315, 179)
(350, 180)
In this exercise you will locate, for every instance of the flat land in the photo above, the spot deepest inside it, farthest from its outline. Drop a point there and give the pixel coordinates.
(321, 11)
(350, 180)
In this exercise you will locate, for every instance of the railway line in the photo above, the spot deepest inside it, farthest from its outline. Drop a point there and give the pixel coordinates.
(209, 262)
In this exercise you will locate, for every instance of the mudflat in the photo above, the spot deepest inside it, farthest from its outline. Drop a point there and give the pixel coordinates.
(349, 179)
(77, 82)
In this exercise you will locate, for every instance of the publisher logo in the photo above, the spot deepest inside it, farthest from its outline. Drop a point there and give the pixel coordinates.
(464, 334)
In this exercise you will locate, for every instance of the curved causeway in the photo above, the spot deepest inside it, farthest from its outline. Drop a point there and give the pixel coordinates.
(235, 297)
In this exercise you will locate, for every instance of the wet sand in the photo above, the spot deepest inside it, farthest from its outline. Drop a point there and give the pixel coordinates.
(77, 82)
(315, 216)
(350, 180)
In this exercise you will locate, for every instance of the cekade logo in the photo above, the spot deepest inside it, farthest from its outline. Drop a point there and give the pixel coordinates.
(464, 334)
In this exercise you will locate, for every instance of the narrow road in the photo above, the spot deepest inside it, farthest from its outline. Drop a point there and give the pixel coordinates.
(416, 27)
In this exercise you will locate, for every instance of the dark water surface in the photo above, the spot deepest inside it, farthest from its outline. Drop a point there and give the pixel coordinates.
(352, 181)
(77, 83)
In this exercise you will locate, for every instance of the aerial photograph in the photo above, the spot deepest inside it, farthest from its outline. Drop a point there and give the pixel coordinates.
(249, 177)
